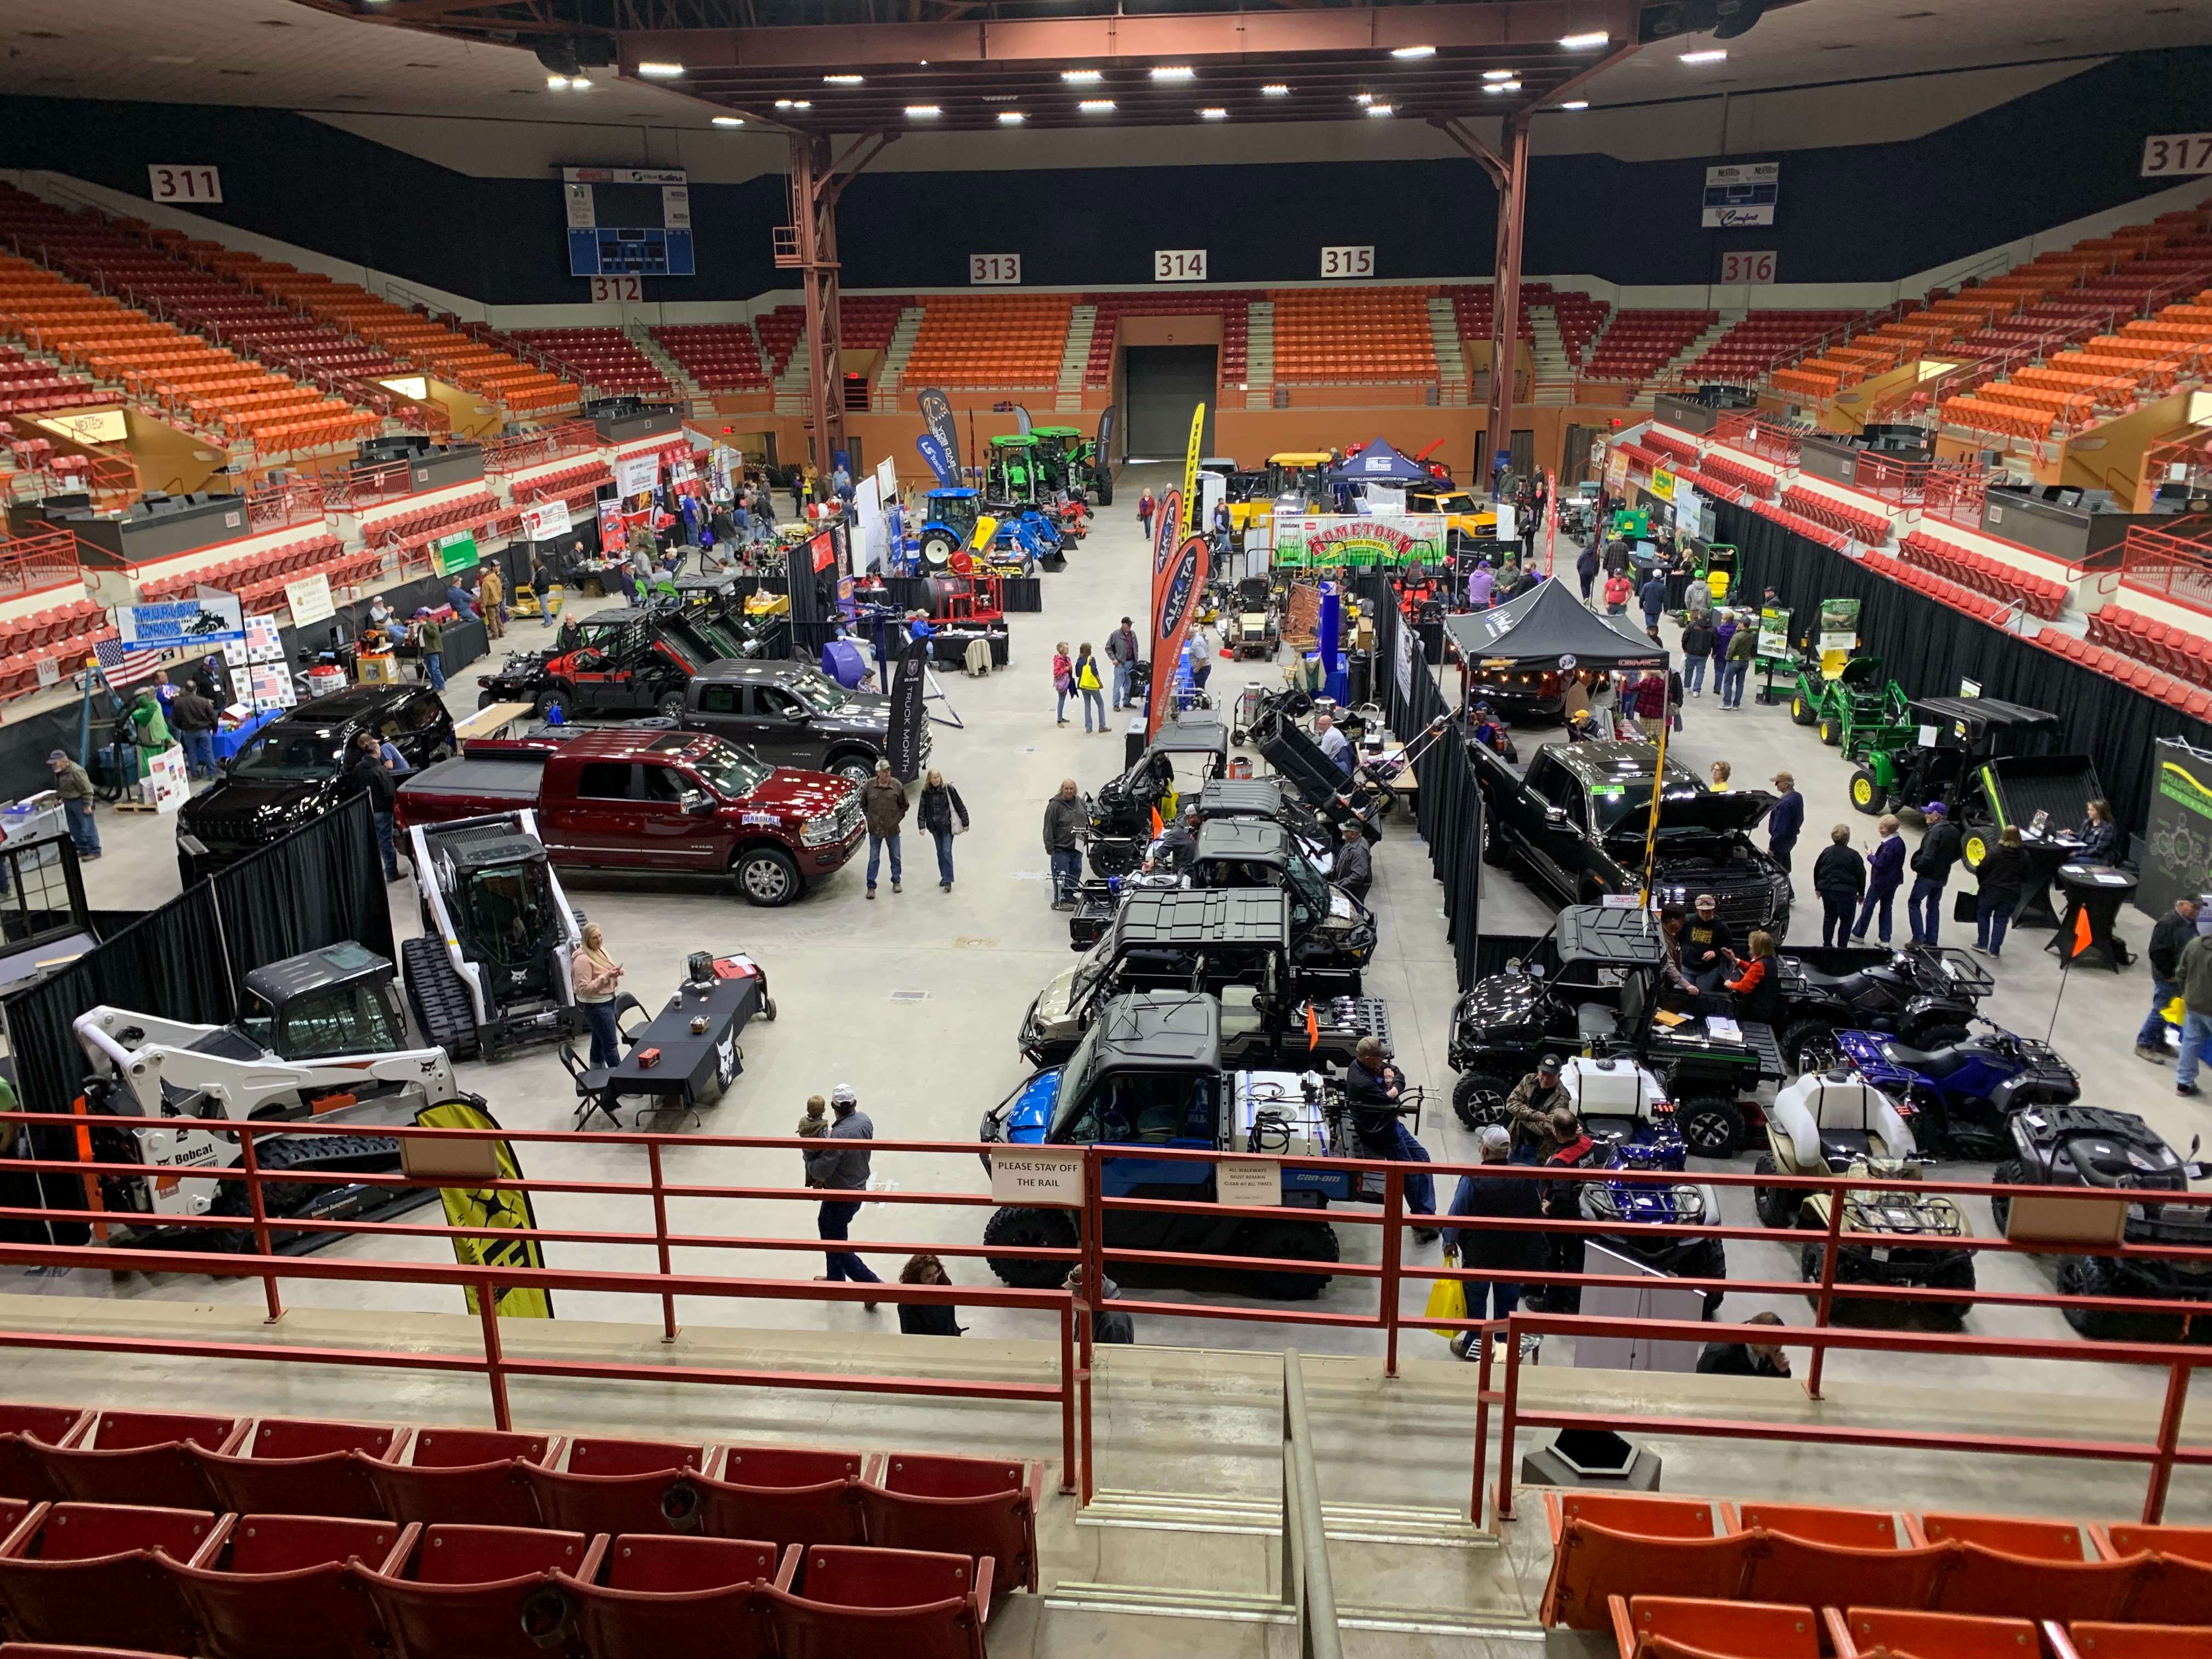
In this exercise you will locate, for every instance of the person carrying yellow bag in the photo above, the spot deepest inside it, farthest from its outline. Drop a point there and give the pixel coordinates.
(1088, 683)
(1499, 1197)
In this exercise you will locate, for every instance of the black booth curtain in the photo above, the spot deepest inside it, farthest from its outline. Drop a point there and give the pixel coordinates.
(1927, 649)
(311, 889)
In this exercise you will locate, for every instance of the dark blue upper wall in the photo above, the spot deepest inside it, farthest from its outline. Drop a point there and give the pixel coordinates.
(1864, 213)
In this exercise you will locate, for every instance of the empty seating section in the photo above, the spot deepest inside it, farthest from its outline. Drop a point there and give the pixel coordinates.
(1693, 1578)
(64, 633)
(566, 485)
(1006, 340)
(1997, 578)
(1637, 344)
(1475, 308)
(30, 387)
(1753, 346)
(1860, 524)
(497, 1546)
(865, 322)
(2129, 669)
(779, 335)
(1811, 529)
(2171, 650)
(258, 579)
(1940, 588)
(604, 359)
(409, 533)
(1353, 335)
(1581, 319)
(1751, 480)
(1233, 305)
(718, 356)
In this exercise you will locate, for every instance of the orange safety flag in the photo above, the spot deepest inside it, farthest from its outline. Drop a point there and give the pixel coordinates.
(1157, 825)
(2080, 939)
(1313, 1028)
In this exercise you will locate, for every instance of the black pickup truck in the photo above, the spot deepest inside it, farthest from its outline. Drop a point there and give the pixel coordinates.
(1576, 823)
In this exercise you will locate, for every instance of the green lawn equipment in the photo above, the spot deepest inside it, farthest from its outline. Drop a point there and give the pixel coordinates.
(1853, 710)
(1011, 470)
(1964, 736)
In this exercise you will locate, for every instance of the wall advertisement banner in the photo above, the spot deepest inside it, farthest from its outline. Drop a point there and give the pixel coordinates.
(1742, 194)
(1358, 540)
(1616, 474)
(543, 521)
(636, 474)
(309, 600)
(2178, 836)
(455, 552)
(210, 618)
(1661, 484)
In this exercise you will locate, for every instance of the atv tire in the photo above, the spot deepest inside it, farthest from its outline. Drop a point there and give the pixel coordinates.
(1867, 794)
(1777, 1206)
(1712, 1126)
(1293, 1241)
(1808, 1040)
(1708, 1260)
(439, 1000)
(2013, 1172)
(1030, 1230)
(2093, 1275)
(1479, 1100)
(1941, 1036)
(1958, 1276)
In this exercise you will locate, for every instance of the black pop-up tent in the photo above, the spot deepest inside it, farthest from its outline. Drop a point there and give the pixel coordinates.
(1549, 627)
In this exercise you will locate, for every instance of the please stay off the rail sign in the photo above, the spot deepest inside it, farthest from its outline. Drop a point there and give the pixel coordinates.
(1047, 1176)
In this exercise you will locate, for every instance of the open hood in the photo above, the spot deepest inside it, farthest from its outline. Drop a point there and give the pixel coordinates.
(1736, 812)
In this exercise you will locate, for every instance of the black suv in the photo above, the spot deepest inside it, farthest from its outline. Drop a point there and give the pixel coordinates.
(288, 772)
(790, 714)
(1578, 821)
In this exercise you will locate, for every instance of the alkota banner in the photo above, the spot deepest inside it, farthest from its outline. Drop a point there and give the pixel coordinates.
(1176, 590)
(1361, 540)
(2178, 836)
(1167, 532)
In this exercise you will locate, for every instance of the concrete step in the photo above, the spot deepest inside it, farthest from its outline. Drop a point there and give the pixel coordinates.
(1075, 355)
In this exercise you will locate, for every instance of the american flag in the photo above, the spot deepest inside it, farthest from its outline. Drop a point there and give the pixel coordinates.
(124, 667)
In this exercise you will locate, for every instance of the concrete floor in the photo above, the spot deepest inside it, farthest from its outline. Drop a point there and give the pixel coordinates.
(846, 973)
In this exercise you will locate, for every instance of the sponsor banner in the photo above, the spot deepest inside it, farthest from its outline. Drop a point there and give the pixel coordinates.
(937, 415)
(1167, 530)
(455, 552)
(503, 1215)
(2178, 835)
(543, 521)
(1104, 442)
(1190, 464)
(1839, 625)
(1616, 474)
(939, 459)
(636, 474)
(309, 600)
(1741, 194)
(97, 426)
(909, 673)
(1360, 539)
(1175, 593)
(210, 618)
(623, 176)
(1661, 484)
(1773, 632)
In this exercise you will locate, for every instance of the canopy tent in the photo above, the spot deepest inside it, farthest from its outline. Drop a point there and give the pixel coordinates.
(1380, 464)
(1548, 627)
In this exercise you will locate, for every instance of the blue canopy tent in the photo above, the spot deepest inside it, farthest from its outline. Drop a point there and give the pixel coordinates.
(1379, 464)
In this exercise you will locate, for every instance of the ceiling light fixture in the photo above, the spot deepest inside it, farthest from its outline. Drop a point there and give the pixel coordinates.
(1500, 74)
(1274, 89)
(580, 83)
(1579, 103)
(1501, 86)
(1381, 109)
(1714, 55)
(925, 109)
(1213, 114)
(1174, 72)
(842, 79)
(1011, 118)
(558, 83)
(1095, 105)
(1363, 97)
(1588, 42)
(661, 71)
(1413, 51)
(1082, 77)
(729, 120)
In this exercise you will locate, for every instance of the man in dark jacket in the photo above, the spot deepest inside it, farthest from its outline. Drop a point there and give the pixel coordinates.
(1355, 864)
(1697, 651)
(1745, 1358)
(1706, 943)
(365, 775)
(1066, 824)
(1885, 875)
(1786, 821)
(2174, 929)
(1586, 569)
(1529, 1109)
(192, 717)
(1652, 596)
(1939, 850)
(1499, 1198)
(841, 1166)
(1121, 650)
(883, 804)
(1840, 876)
(1373, 1086)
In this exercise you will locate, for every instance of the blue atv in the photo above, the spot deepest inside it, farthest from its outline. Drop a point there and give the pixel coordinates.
(1960, 1097)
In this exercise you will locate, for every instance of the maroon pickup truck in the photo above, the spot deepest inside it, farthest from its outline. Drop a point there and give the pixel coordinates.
(654, 800)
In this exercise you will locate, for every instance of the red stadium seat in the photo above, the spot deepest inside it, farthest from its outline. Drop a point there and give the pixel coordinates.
(457, 1475)
(89, 1573)
(280, 1589)
(26, 1432)
(2094, 1641)
(619, 1486)
(1665, 1553)
(1788, 1568)
(2045, 1540)
(487, 1592)
(980, 1505)
(1902, 1635)
(655, 1598)
(288, 1467)
(785, 1495)
(916, 1604)
(145, 1458)
(1999, 1584)
(1752, 1630)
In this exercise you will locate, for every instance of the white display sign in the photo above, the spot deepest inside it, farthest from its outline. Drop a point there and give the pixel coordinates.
(207, 619)
(1033, 1175)
(1747, 269)
(50, 672)
(543, 521)
(1347, 262)
(196, 186)
(270, 684)
(2177, 155)
(624, 175)
(887, 481)
(1742, 195)
(99, 426)
(578, 198)
(309, 601)
(167, 784)
(634, 475)
(617, 291)
(1179, 265)
(1259, 1180)
(675, 207)
(993, 270)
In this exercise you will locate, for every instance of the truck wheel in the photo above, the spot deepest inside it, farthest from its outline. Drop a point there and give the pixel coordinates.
(1868, 795)
(671, 706)
(857, 768)
(438, 1000)
(1808, 1045)
(1029, 1229)
(1289, 1240)
(1495, 851)
(1777, 1206)
(766, 876)
(2013, 1172)
(1712, 1126)
(1478, 1099)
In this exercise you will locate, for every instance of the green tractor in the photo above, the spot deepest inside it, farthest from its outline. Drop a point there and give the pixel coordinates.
(1859, 711)
(1056, 460)
(1964, 752)
(1011, 471)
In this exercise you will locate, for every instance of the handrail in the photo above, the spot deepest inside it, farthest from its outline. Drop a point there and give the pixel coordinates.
(1308, 1586)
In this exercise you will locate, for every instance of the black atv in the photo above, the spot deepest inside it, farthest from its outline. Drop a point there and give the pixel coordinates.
(1923, 995)
(2090, 1146)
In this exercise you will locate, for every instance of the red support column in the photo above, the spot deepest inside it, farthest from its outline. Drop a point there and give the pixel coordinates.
(1505, 308)
(814, 192)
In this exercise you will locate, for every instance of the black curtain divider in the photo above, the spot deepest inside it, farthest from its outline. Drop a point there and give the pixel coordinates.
(315, 887)
(1927, 649)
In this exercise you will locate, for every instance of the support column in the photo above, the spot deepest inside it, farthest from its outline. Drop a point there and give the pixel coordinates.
(814, 192)
(1505, 306)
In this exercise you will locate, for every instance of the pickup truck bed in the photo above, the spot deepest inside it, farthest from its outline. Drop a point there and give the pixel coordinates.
(511, 777)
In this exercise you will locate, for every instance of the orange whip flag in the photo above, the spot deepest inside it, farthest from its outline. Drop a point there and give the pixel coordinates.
(1313, 1028)
(2082, 938)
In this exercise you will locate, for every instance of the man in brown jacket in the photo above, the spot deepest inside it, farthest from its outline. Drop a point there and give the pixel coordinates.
(491, 595)
(883, 804)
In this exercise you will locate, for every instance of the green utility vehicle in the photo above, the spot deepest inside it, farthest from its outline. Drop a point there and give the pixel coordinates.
(1859, 711)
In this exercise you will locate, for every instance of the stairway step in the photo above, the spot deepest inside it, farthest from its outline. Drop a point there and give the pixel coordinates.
(1351, 1523)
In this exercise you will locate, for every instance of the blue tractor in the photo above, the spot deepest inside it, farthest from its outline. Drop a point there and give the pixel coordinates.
(948, 526)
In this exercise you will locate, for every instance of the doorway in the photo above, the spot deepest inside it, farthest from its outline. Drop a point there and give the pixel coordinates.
(1525, 454)
(1163, 384)
(1574, 463)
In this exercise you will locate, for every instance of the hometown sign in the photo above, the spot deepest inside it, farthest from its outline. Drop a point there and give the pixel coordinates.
(1329, 539)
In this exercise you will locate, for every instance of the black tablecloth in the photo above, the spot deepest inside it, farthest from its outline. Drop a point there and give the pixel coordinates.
(2094, 894)
(693, 1068)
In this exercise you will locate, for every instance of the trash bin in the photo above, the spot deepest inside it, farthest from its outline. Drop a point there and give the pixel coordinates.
(1132, 743)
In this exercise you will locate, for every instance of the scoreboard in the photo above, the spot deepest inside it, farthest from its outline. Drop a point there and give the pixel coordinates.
(627, 222)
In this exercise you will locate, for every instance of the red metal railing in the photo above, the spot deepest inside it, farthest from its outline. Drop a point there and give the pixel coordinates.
(42, 560)
(1755, 435)
(2186, 458)
(2174, 564)
(504, 455)
(275, 506)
